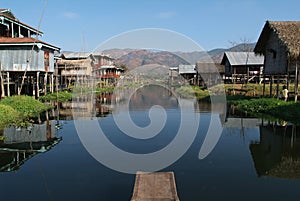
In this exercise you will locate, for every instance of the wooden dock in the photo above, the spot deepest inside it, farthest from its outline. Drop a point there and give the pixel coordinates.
(155, 186)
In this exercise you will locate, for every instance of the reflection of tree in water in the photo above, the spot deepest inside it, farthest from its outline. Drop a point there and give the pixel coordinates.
(150, 95)
(278, 152)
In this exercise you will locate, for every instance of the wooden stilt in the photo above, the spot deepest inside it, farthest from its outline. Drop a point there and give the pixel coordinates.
(277, 87)
(288, 81)
(37, 95)
(271, 84)
(7, 80)
(264, 86)
(45, 82)
(27, 85)
(2, 82)
(51, 83)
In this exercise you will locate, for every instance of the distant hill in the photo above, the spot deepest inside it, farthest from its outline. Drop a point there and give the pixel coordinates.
(133, 58)
(117, 53)
(144, 57)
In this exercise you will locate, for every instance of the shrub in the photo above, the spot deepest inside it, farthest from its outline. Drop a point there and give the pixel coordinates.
(61, 96)
(8, 116)
(26, 105)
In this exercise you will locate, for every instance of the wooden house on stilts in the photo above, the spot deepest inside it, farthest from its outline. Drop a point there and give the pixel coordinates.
(279, 42)
(26, 63)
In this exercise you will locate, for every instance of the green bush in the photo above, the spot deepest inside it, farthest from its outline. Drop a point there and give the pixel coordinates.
(61, 96)
(8, 116)
(26, 105)
(288, 111)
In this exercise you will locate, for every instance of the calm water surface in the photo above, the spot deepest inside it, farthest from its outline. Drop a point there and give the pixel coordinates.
(253, 160)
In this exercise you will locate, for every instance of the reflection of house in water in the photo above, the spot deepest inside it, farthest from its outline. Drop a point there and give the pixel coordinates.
(20, 144)
(99, 106)
(277, 154)
(104, 104)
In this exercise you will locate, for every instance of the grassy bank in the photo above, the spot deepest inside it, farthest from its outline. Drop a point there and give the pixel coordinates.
(247, 100)
(19, 110)
(278, 109)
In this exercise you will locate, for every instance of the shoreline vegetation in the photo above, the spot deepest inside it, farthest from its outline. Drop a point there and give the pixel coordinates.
(20, 110)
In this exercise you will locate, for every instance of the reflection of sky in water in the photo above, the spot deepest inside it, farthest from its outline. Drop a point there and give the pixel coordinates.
(232, 171)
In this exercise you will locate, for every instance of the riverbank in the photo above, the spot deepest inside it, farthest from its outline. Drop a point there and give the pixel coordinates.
(247, 100)
(19, 110)
(274, 108)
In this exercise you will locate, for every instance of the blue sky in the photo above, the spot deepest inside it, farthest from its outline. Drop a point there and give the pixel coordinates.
(78, 25)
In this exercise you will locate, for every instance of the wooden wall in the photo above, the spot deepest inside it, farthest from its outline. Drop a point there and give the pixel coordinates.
(275, 56)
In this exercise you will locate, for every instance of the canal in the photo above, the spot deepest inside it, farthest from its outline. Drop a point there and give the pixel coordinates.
(254, 159)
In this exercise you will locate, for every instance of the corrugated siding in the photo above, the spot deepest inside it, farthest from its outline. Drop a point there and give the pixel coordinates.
(12, 56)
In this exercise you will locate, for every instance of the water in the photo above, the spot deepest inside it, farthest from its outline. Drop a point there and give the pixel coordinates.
(253, 160)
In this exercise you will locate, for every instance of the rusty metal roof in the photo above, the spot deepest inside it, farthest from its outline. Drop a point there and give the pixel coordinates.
(6, 41)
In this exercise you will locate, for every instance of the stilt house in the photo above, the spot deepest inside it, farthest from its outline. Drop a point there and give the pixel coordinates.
(279, 42)
(26, 63)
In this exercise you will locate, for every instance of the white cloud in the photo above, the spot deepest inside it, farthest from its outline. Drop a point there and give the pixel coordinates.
(71, 15)
(166, 15)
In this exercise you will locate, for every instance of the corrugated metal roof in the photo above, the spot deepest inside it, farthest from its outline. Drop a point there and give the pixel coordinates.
(187, 69)
(243, 58)
(76, 55)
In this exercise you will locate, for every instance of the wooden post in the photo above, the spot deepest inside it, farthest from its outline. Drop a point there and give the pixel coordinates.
(7, 79)
(264, 86)
(27, 85)
(277, 89)
(12, 30)
(37, 95)
(288, 81)
(45, 82)
(51, 83)
(2, 83)
(19, 31)
(271, 84)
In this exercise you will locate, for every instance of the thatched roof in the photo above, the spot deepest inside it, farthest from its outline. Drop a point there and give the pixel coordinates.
(288, 33)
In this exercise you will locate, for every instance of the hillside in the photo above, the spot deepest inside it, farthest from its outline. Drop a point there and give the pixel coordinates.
(144, 57)
(133, 58)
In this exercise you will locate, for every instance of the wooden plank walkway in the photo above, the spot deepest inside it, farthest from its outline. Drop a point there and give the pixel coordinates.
(155, 186)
